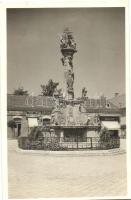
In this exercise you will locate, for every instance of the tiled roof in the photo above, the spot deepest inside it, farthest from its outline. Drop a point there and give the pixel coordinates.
(21, 102)
(43, 103)
(104, 110)
(119, 101)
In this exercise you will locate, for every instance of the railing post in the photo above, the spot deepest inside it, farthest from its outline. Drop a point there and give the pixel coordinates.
(77, 140)
(91, 142)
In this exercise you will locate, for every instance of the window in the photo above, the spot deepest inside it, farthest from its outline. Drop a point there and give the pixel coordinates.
(108, 105)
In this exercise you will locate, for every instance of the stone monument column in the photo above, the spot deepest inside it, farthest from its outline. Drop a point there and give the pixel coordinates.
(68, 48)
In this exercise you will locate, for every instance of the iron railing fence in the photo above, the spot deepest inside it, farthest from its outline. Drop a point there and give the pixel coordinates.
(62, 143)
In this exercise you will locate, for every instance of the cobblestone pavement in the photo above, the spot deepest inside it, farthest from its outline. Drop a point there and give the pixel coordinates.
(37, 175)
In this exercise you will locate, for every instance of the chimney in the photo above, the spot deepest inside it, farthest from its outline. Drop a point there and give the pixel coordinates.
(116, 94)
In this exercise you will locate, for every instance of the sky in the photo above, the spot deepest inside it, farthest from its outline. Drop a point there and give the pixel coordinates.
(33, 49)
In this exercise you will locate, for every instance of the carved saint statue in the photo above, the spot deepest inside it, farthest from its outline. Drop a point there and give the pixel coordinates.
(70, 80)
(67, 40)
(84, 92)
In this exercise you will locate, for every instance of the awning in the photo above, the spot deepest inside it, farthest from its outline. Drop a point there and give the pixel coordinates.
(17, 117)
(46, 117)
(32, 122)
(111, 125)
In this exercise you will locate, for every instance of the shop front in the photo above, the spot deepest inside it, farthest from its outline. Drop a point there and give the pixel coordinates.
(111, 124)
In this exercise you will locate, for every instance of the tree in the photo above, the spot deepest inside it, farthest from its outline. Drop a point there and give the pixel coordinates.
(20, 91)
(12, 124)
(49, 88)
(105, 135)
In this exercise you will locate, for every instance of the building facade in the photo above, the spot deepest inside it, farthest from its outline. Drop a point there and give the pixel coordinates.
(120, 101)
(74, 123)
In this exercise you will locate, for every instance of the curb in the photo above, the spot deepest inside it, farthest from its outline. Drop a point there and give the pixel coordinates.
(74, 153)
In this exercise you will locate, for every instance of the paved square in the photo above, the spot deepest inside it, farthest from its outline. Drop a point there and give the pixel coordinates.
(39, 176)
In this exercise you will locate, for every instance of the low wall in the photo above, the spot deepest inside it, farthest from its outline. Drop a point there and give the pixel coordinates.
(123, 144)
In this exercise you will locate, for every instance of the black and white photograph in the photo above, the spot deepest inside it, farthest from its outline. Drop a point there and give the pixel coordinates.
(66, 102)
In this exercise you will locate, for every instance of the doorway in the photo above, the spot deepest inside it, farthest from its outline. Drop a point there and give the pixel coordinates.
(18, 126)
(74, 135)
(18, 130)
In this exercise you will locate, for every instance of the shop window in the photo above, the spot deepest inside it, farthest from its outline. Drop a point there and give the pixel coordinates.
(46, 121)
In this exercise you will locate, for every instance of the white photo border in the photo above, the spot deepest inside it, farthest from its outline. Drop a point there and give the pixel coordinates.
(3, 77)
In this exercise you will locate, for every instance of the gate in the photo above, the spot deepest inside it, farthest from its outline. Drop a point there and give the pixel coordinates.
(80, 142)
